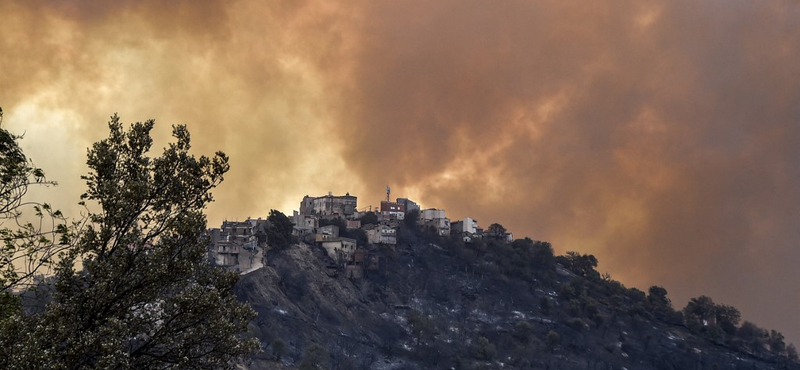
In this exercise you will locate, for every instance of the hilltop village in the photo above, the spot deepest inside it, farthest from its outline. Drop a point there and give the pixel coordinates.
(347, 234)
(400, 286)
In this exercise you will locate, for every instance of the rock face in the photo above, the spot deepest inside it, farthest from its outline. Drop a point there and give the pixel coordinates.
(436, 305)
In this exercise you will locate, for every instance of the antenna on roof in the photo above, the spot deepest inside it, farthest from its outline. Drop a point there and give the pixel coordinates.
(388, 192)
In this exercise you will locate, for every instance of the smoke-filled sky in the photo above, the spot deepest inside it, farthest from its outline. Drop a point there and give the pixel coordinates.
(662, 137)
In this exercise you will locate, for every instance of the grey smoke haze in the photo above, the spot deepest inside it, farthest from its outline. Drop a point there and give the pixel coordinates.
(661, 137)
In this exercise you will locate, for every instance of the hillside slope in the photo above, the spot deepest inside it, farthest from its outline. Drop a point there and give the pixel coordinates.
(437, 303)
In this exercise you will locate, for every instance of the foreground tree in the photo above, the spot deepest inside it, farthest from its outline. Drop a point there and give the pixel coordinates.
(137, 292)
(29, 241)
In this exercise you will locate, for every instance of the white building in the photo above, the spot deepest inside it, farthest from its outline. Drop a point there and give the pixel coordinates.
(470, 225)
(329, 205)
(235, 245)
(341, 250)
(437, 219)
(330, 230)
(382, 234)
(431, 214)
(304, 224)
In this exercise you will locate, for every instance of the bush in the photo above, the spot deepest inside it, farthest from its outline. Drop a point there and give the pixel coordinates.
(581, 265)
(522, 331)
(545, 304)
(315, 357)
(278, 348)
(567, 291)
(715, 334)
(553, 340)
(598, 319)
(484, 350)
(639, 309)
(590, 307)
(576, 324)
(574, 308)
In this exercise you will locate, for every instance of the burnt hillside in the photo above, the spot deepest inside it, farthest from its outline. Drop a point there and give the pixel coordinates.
(441, 303)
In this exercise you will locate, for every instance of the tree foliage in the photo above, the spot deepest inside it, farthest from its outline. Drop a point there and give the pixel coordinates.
(718, 321)
(279, 232)
(410, 221)
(523, 258)
(751, 333)
(702, 307)
(497, 231)
(582, 265)
(657, 296)
(661, 307)
(370, 218)
(728, 318)
(776, 342)
(137, 291)
(791, 353)
(552, 339)
(30, 241)
(522, 331)
(484, 349)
